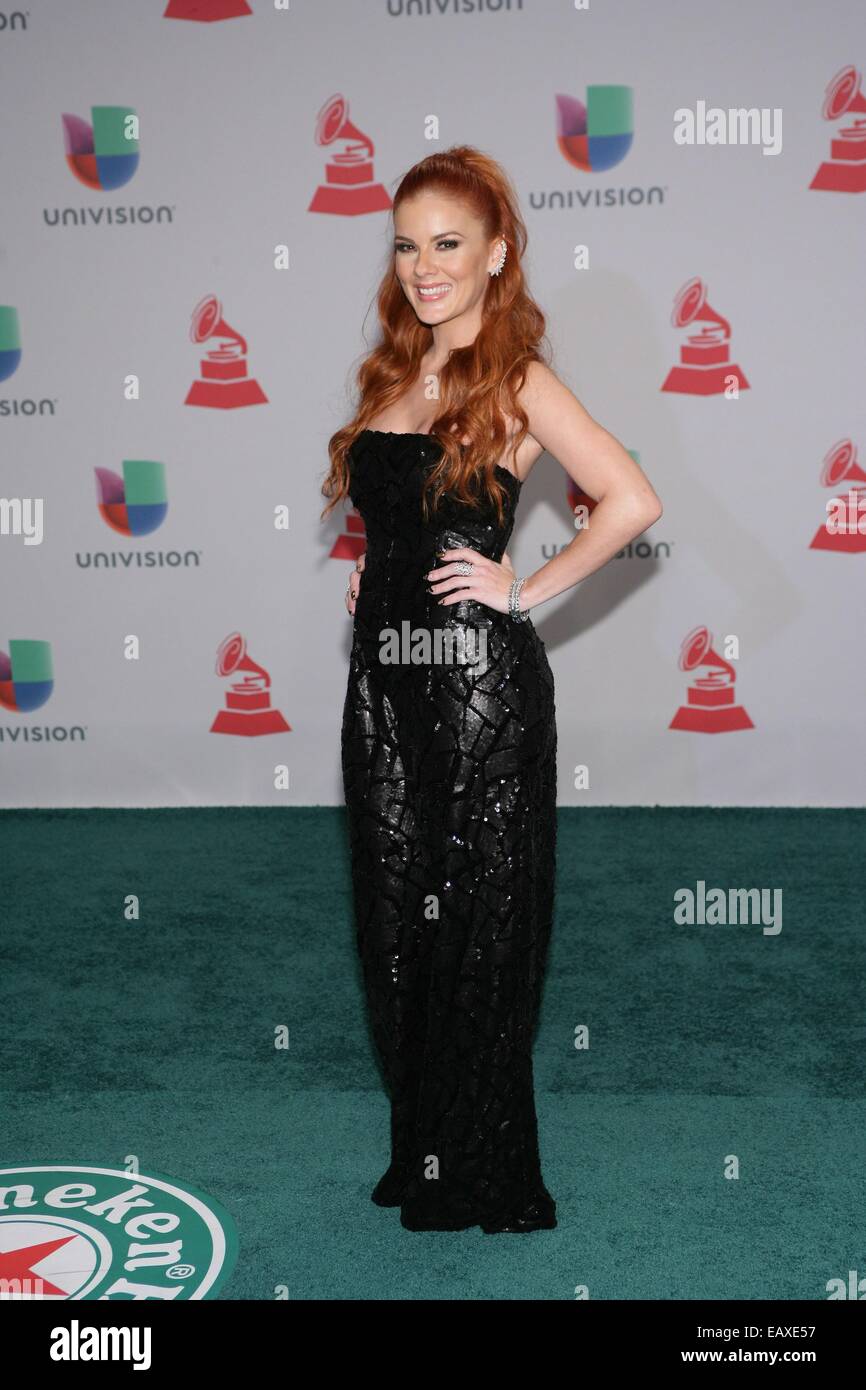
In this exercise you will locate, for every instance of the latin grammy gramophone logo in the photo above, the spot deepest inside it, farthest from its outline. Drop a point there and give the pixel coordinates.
(595, 136)
(845, 170)
(349, 188)
(206, 11)
(710, 707)
(10, 341)
(705, 367)
(224, 383)
(844, 530)
(353, 541)
(248, 708)
(26, 675)
(105, 154)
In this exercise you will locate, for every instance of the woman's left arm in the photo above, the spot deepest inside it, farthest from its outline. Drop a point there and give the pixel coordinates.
(598, 463)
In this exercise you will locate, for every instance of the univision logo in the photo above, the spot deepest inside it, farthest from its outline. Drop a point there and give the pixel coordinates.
(598, 135)
(26, 675)
(103, 154)
(26, 683)
(10, 341)
(134, 504)
(10, 358)
(84, 1233)
(595, 136)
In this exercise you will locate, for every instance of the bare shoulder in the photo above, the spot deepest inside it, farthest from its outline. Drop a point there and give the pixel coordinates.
(531, 448)
(591, 456)
(542, 390)
(558, 422)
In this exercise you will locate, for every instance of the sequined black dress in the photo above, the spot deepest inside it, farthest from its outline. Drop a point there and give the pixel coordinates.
(449, 769)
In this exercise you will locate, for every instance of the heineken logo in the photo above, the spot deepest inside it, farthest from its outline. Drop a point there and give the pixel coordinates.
(68, 1231)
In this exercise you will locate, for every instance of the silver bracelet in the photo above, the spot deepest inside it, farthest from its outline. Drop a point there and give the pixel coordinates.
(513, 597)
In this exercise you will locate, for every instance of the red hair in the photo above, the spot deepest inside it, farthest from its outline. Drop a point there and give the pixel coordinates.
(479, 383)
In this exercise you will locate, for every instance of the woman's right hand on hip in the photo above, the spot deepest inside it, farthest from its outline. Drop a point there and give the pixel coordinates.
(355, 584)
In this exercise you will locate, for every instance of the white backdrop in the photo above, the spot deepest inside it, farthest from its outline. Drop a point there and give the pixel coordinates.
(228, 168)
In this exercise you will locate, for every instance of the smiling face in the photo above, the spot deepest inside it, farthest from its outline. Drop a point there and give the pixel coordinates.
(442, 257)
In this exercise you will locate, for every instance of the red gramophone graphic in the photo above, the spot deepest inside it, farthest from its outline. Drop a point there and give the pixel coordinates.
(710, 708)
(353, 541)
(349, 172)
(206, 11)
(845, 171)
(705, 368)
(248, 702)
(845, 528)
(223, 383)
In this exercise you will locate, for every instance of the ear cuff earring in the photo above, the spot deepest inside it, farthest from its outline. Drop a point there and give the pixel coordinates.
(501, 262)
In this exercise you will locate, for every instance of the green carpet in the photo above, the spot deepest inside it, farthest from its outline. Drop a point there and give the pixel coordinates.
(156, 1038)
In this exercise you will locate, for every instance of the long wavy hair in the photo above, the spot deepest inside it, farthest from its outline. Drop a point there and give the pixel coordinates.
(479, 383)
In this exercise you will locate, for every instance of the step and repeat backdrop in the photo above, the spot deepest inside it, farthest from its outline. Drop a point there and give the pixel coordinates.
(196, 215)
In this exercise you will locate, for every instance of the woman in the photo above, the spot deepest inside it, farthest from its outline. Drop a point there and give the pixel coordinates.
(449, 757)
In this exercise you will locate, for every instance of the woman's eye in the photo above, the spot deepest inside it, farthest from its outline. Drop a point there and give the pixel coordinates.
(406, 246)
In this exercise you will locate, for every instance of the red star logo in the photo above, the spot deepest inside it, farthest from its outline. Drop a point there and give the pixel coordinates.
(16, 1264)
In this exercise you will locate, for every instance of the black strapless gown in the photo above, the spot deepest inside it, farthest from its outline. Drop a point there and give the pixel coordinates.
(450, 783)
